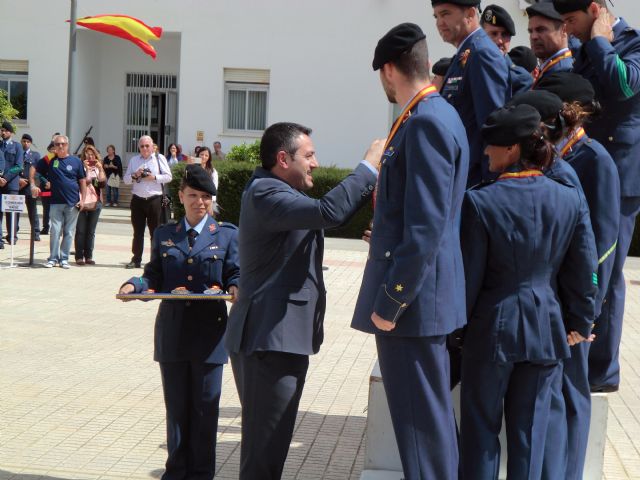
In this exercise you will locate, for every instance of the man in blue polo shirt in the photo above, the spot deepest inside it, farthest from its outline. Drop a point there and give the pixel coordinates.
(67, 177)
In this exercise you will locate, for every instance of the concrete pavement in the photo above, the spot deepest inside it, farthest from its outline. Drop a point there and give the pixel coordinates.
(80, 395)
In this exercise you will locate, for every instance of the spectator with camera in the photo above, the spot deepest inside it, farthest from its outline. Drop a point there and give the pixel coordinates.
(146, 172)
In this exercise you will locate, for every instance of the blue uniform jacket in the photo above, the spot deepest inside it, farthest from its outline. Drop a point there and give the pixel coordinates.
(13, 164)
(476, 84)
(601, 186)
(414, 273)
(614, 71)
(282, 296)
(30, 159)
(191, 330)
(530, 262)
(564, 65)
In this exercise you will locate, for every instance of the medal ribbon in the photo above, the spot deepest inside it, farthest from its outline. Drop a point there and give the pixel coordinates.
(539, 73)
(406, 113)
(522, 174)
(575, 138)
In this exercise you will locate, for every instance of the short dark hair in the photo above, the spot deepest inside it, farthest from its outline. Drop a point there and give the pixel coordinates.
(280, 136)
(414, 63)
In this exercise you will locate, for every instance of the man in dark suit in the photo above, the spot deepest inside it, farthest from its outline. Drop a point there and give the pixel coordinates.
(277, 321)
(412, 293)
(9, 178)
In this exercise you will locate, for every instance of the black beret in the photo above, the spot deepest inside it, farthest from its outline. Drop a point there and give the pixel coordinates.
(567, 6)
(26, 136)
(509, 125)
(546, 103)
(570, 87)
(198, 178)
(544, 9)
(462, 3)
(524, 57)
(498, 16)
(7, 126)
(441, 66)
(395, 42)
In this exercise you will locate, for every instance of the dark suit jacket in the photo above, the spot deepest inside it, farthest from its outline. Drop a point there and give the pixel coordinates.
(281, 301)
(191, 330)
(414, 273)
(530, 265)
(13, 164)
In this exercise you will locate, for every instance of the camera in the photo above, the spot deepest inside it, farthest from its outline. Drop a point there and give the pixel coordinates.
(144, 173)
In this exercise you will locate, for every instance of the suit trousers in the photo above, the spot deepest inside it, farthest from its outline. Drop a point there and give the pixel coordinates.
(192, 397)
(270, 387)
(604, 362)
(524, 391)
(144, 211)
(416, 378)
(566, 448)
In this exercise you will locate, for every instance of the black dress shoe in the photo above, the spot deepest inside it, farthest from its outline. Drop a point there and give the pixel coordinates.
(37, 239)
(133, 265)
(44, 231)
(604, 388)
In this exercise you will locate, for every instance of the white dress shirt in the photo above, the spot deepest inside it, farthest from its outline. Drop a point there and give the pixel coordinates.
(146, 188)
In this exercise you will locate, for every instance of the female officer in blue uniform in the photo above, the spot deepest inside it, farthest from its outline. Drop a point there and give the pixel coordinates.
(530, 262)
(196, 253)
(599, 179)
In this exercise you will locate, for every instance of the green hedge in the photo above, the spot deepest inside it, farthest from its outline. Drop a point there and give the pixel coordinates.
(234, 175)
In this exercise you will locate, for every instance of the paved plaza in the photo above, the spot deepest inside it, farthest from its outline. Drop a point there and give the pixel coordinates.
(80, 394)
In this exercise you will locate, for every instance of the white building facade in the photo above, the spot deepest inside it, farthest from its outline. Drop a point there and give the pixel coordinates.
(225, 70)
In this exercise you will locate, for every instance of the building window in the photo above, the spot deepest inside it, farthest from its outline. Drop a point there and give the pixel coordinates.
(14, 80)
(246, 93)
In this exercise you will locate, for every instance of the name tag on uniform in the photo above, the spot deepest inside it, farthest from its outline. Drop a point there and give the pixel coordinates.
(55, 164)
(452, 83)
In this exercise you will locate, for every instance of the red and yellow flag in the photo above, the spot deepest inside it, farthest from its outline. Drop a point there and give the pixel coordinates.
(125, 27)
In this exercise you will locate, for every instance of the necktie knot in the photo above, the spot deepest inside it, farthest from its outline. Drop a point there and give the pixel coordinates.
(192, 234)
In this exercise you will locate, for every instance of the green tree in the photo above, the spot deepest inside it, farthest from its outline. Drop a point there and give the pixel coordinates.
(7, 112)
(245, 153)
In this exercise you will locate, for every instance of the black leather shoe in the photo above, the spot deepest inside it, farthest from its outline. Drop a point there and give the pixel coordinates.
(133, 265)
(604, 388)
(44, 231)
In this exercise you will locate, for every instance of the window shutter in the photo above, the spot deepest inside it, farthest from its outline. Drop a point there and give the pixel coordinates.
(18, 66)
(247, 75)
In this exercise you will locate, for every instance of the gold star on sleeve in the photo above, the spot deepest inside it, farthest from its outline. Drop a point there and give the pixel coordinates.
(399, 287)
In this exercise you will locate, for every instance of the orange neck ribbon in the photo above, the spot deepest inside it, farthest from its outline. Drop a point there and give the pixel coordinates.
(406, 113)
(540, 72)
(575, 138)
(521, 174)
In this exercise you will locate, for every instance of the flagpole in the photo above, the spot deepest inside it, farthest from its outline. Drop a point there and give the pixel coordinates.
(71, 67)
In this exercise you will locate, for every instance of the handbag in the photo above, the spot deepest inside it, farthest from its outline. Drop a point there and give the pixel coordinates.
(114, 180)
(165, 209)
(90, 199)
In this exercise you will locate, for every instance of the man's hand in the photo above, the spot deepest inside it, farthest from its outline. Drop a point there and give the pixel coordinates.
(366, 235)
(574, 338)
(47, 186)
(602, 25)
(375, 151)
(23, 182)
(80, 205)
(233, 291)
(381, 323)
(126, 289)
(35, 191)
(3, 182)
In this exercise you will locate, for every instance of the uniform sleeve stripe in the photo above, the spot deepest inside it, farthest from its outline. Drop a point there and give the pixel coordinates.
(607, 253)
(622, 77)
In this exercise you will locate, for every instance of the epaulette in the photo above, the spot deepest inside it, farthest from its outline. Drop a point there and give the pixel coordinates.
(482, 184)
(561, 181)
(228, 225)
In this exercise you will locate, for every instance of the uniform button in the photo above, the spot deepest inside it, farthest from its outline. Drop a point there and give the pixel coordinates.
(387, 254)
(215, 257)
(188, 304)
(164, 254)
(611, 139)
(219, 319)
(190, 260)
(189, 277)
(370, 187)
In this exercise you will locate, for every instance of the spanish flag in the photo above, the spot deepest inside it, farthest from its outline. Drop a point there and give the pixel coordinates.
(125, 27)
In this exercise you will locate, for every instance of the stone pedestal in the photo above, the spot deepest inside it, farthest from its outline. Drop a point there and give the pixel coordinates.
(382, 460)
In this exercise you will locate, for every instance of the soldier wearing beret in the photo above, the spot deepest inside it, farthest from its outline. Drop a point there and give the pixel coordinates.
(530, 296)
(610, 59)
(499, 25)
(478, 80)
(197, 253)
(549, 40)
(10, 175)
(410, 296)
